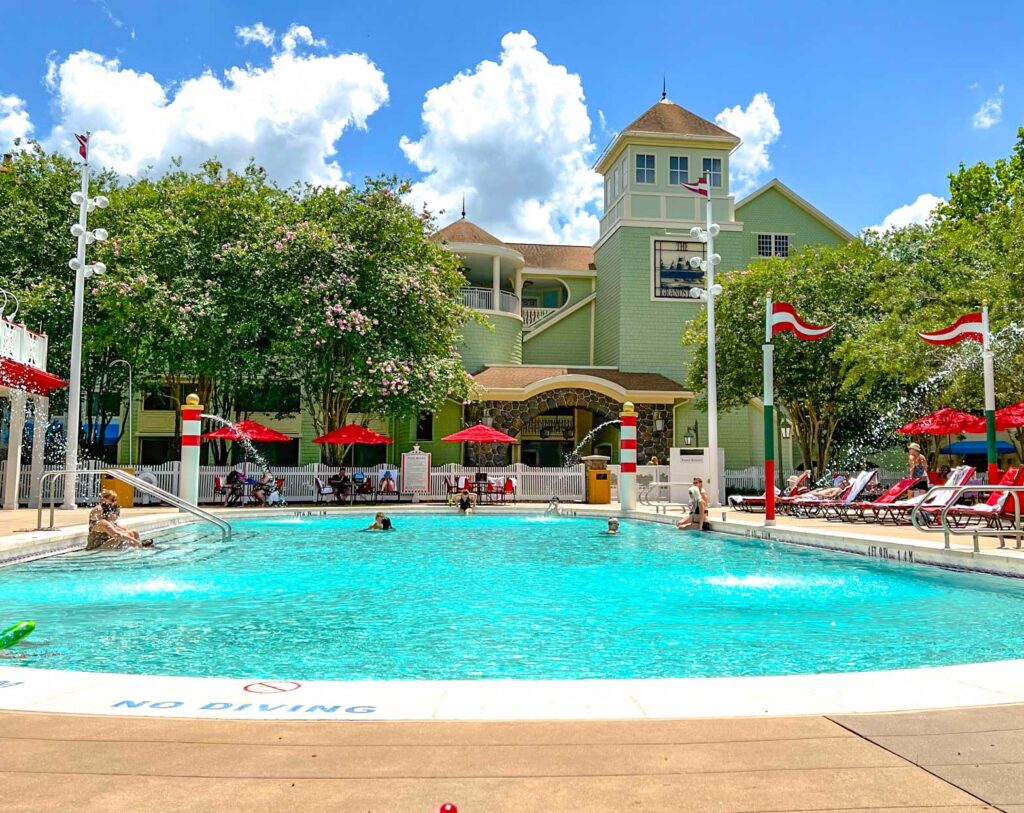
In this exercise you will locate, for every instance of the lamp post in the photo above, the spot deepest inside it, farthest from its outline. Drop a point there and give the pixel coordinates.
(82, 272)
(707, 235)
(692, 436)
(128, 411)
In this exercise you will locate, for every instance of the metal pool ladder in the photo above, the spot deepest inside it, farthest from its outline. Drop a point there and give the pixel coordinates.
(1015, 531)
(139, 485)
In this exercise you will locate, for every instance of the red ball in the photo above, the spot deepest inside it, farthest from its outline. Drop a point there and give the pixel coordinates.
(447, 807)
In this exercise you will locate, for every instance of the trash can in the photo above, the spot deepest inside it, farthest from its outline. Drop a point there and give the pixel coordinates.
(599, 479)
(125, 491)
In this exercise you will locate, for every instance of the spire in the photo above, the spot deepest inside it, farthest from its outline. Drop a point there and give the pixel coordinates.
(664, 91)
(463, 205)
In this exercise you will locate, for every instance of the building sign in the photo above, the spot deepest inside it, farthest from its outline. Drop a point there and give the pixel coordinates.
(415, 477)
(673, 276)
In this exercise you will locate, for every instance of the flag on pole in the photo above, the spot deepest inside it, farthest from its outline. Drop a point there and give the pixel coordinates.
(969, 326)
(83, 145)
(700, 188)
(784, 317)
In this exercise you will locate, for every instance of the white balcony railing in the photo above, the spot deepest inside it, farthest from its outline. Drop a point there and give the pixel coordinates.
(21, 344)
(532, 316)
(482, 299)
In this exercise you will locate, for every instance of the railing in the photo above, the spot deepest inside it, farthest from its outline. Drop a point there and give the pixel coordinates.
(21, 344)
(532, 316)
(482, 299)
(556, 427)
(1016, 531)
(134, 482)
(657, 494)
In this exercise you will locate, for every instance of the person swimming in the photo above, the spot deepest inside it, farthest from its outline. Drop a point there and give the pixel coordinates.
(613, 526)
(554, 506)
(381, 522)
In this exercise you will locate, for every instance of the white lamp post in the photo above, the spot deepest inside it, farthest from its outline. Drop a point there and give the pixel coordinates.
(708, 235)
(128, 411)
(82, 272)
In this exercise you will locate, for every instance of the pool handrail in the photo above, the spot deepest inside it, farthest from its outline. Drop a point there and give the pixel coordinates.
(976, 531)
(137, 483)
(644, 499)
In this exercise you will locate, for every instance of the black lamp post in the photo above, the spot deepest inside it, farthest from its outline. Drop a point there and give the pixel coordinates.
(692, 436)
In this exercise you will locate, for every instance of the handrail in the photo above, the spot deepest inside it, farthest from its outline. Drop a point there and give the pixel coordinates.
(141, 485)
(644, 495)
(948, 530)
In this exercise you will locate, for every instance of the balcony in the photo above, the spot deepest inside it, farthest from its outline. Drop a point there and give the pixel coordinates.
(19, 343)
(482, 299)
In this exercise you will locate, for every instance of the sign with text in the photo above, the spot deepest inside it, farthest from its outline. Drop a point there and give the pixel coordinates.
(415, 471)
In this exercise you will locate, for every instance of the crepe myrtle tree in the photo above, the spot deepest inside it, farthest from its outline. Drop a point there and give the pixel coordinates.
(370, 305)
(814, 384)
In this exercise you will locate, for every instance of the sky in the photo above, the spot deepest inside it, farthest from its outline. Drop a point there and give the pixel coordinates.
(863, 108)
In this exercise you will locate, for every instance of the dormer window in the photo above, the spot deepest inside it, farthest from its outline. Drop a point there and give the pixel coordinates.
(645, 169)
(713, 170)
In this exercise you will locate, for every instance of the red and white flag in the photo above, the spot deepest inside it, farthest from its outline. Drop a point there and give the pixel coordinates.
(784, 317)
(701, 187)
(970, 326)
(83, 145)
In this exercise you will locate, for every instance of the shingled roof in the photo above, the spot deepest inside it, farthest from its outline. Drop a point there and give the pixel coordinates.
(668, 117)
(463, 231)
(522, 377)
(564, 258)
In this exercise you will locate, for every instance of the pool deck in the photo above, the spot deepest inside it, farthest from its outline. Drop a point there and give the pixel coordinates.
(638, 745)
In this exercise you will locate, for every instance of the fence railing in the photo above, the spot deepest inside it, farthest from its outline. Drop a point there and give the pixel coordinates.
(482, 299)
(532, 316)
(532, 483)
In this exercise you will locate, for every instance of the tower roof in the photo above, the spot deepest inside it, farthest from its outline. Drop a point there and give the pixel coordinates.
(464, 231)
(668, 117)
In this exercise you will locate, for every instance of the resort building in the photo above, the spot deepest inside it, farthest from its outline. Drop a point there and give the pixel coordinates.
(576, 331)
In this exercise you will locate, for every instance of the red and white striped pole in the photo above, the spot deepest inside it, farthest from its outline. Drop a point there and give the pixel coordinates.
(627, 457)
(191, 437)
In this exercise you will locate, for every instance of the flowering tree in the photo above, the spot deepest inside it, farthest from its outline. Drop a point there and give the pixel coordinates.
(370, 307)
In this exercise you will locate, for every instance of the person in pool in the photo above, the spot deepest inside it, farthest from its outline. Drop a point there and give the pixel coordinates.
(554, 507)
(381, 522)
(465, 503)
(104, 529)
(613, 526)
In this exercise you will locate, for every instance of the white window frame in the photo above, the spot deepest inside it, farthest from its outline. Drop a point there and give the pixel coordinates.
(653, 169)
(765, 238)
(682, 175)
(773, 239)
(624, 166)
(710, 172)
(615, 183)
(775, 245)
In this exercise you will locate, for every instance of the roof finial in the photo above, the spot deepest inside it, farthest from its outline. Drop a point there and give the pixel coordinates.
(463, 205)
(664, 91)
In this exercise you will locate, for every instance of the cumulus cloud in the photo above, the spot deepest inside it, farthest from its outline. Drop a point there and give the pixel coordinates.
(514, 136)
(989, 114)
(255, 33)
(300, 35)
(758, 127)
(287, 116)
(14, 121)
(919, 212)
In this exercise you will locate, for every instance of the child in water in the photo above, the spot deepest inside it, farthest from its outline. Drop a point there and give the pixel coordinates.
(613, 526)
(381, 522)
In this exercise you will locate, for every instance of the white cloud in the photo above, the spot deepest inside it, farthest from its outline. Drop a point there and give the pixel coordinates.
(255, 33)
(14, 121)
(514, 136)
(990, 113)
(287, 116)
(758, 127)
(918, 212)
(300, 34)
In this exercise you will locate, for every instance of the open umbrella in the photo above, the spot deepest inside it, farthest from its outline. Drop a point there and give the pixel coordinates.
(479, 434)
(247, 430)
(353, 433)
(944, 421)
(1009, 417)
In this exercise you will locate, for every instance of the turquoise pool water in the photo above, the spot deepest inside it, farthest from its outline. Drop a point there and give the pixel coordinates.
(497, 597)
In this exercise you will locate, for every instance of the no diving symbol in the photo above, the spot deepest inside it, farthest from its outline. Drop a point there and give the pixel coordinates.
(272, 687)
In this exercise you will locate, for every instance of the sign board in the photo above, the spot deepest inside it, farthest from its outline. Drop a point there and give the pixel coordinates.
(415, 477)
(687, 463)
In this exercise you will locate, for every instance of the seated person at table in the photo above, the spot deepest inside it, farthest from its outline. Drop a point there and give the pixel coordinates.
(387, 482)
(381, 522)
(340, 482)
(465, 503)
(264, 487)
(234, 482)
(104, 529)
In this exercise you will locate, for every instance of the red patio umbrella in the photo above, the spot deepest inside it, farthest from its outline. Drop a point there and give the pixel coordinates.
(353, 433)
(944, 421)
(248, 430)
(1009, 417)
(480, 434)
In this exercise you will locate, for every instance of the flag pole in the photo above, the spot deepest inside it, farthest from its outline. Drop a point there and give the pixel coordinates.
(769, 416)
(988, 367)
(715, 492)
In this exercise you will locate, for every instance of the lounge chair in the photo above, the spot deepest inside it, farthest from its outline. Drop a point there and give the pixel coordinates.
(811, 506)
(321, 491)
(939, 497)
(995, 511)
(757, 504)
(867, 510)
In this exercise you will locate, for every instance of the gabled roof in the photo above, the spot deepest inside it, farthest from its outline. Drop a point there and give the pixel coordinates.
(786, 192)
(463, 231)
(668, 117)
(563, 258)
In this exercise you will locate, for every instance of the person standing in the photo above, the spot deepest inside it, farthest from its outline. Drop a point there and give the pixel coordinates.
(917, 467)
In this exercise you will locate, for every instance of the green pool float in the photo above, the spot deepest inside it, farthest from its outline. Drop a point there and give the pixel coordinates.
(11, 635)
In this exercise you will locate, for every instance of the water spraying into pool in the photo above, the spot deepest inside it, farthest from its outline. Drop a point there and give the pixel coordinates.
(250, 451)
(573, 457)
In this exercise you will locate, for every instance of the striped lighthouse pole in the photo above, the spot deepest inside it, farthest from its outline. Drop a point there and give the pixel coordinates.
(191, 437)
(627, 457)
(988, 369)
(769, 416)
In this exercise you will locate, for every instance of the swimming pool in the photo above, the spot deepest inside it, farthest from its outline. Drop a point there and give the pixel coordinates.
(486, 597)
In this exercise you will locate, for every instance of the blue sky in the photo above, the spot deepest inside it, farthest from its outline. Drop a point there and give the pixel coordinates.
(866, 106)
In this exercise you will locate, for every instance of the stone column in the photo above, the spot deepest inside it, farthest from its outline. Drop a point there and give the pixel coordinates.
(12, 478)
(40, 423)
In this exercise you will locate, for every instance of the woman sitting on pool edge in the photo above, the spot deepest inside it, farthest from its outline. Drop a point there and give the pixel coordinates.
(465, 503)
(104, 529)
(381, 522)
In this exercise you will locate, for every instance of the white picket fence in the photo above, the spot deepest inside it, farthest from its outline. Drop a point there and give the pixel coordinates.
(532, 484)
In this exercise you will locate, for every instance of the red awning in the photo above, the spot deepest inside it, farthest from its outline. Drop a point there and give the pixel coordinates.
(480, 434)
(18, 376)
(353, 433)
(250, 430)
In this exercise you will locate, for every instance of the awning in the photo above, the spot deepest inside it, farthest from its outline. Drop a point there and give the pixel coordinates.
(976, 447)
(18, 376)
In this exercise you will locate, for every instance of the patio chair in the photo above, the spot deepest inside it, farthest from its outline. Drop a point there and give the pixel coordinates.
(509, 489)
(995, 511)
(859, 510)
(752, 504)
(362, 487)
(220, 491)
(810, 506)
(387, 484)
(899, 511)
(321, 491)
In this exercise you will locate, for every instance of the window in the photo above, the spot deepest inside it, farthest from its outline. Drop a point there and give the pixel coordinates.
(678, 170)
(773, 245)
(674, 278)
(158, 399)
(625, 174)
(713, 169)
(278, 399)
(157, 451)
(615, 184)
(645, 169)
(425, 426)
